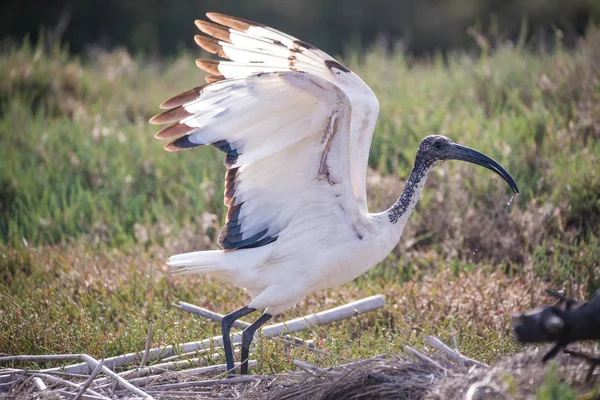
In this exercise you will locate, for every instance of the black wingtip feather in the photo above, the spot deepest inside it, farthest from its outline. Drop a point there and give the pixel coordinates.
(257, 240)
(262, 242)
(183, 143)
(334, 64)
(231, 159)
(233, 231)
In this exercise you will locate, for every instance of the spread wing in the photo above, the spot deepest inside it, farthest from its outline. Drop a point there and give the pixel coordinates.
(255, 48)
(288, 130)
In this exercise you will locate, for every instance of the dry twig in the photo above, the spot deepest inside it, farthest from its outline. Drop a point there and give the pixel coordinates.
(92, 362)
(308, 367)
(39, 384)
(453, 354)
(88, 381)
(220, 368)
(148, 343)
(210, 382)
(423, 357)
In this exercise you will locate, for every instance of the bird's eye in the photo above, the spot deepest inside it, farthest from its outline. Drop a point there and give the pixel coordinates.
(437, 145)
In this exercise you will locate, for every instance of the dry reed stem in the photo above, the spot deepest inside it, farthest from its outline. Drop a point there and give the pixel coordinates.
(39, 384)
(423, 357)
(209, 382)
(452, 354)
(148, 344)
(220, 368)
(308, 367)
(88, 381)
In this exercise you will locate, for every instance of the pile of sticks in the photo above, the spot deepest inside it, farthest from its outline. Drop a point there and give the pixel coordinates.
(185, 363)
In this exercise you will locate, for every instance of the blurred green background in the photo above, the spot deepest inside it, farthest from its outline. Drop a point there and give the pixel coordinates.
(160, 27)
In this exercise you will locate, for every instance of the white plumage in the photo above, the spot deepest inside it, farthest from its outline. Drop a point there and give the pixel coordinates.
(296, 127)
(292, 182)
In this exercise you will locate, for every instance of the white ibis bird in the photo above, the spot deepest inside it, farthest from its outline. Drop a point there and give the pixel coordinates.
(296, 127)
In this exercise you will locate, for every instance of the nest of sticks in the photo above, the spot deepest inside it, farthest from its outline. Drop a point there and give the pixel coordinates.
(389, 378)
(436, 372)
(375, 378)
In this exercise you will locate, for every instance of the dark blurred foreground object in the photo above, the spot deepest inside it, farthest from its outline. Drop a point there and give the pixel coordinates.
(565, 322)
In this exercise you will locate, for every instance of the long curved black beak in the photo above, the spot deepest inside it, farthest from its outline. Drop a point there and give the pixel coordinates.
(459, 152)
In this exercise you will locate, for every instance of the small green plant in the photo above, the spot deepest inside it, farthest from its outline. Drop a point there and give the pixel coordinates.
(553, 388)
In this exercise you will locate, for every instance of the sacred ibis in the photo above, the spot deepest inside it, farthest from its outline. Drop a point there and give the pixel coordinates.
(296, 127)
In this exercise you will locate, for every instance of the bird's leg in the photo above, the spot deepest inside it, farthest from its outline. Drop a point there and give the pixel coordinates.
(226, 325)
(592, 361)
(247, 336)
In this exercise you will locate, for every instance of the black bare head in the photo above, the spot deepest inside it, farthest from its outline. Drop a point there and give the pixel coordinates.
(435, 149)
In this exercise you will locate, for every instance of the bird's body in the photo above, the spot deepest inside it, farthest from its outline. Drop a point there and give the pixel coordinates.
(280, 274)
(296, 127)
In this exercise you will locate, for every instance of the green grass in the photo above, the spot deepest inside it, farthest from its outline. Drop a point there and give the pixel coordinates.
(91, 206)
(553, 388)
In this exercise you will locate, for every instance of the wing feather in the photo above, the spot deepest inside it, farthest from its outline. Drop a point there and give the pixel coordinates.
(295, 126)
(247, 43)
(275, 141)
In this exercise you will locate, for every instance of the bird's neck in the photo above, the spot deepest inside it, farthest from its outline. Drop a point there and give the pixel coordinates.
(398, 214)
